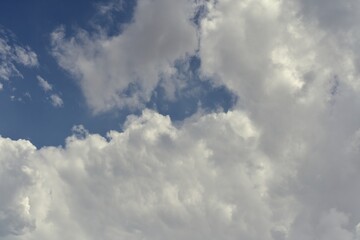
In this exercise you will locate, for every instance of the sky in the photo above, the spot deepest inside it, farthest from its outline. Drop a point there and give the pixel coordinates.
(180, 119)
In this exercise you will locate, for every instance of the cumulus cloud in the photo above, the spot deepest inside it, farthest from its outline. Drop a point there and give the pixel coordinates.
(13, 54)
(208, 178)
(297, 77)
(122, 71)
(152, 181)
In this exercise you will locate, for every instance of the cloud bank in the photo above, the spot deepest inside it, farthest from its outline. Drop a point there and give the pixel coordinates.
(152, 181)
(208, 178)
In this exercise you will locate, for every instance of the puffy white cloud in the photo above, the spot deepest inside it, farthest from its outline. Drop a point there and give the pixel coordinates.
(13, 54)
(122, 71)
(152, 181)
(211, 177)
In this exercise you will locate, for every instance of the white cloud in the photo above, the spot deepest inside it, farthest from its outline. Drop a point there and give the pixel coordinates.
(13, 54)
(1, 86)
(297, 77)
(122, 71)
(151, 181)
(44, 84)
(56, 100)
(208, 178)
(25, 56)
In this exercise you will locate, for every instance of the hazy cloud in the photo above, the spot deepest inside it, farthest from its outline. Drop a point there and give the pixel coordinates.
(56, 100)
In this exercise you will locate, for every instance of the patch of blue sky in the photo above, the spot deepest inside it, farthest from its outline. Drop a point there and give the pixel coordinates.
(197, 94)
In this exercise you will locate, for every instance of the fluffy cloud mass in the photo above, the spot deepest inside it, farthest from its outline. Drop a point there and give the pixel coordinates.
(208, 178)
(282, 164)
(152, 181)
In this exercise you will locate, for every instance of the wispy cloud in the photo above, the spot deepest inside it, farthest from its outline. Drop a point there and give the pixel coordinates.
(109, 7)
(56, 100)
(44, 84)
(13, 54)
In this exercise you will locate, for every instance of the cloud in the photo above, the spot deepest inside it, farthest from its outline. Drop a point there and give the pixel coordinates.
(12, 54)
(272, 48)
(283, 164)
(44, 84)
(122, 71)
(151, 181)
(208, 178)
(296, 75)
(56, 100)
(110, 6)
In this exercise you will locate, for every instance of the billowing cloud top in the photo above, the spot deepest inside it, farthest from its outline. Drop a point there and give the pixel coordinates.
(282, 164)
(208, 178)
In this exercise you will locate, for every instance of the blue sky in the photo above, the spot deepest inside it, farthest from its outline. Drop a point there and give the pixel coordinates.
(180, 119)
(34, 117)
